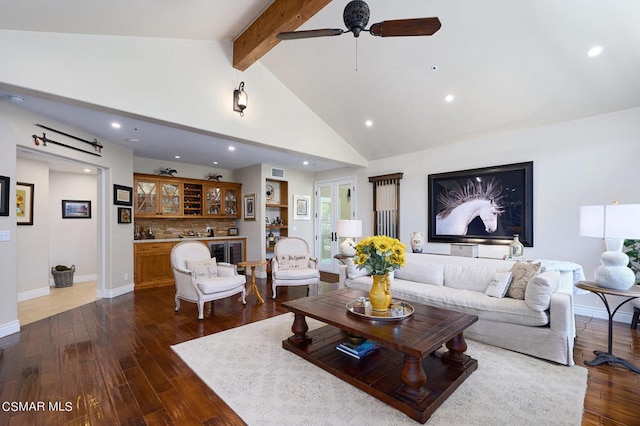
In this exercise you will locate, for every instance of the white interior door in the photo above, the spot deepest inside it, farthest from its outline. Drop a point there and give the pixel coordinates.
(335, 201)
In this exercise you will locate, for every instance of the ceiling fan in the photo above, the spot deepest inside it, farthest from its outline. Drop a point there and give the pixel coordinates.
(356, 18)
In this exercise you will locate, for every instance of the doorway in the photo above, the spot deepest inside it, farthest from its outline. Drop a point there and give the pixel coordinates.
(336, 201)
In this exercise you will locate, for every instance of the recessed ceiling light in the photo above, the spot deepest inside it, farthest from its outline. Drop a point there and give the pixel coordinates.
(368, 123)
(176, 157)
(115, 125)
(449, 98)
(133, 140)
(87, 170)
(215, 162)
(232, 148)
(306, 163)
(595, 51)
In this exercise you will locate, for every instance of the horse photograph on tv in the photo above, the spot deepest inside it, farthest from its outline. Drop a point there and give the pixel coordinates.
(486, 206)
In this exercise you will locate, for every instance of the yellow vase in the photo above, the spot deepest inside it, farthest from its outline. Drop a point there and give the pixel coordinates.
(380, 294)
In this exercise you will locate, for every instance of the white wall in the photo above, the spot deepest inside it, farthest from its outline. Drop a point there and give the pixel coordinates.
(33, 240)
(588, 161)
(73, 241)
(151, 166)
(8, 249)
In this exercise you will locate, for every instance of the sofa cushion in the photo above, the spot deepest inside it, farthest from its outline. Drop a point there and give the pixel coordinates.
(297, 274)
(203, 269)
(464, 277)
(419, 270)
(522, 273)
(353, 271)
(499, 284)
(220, 284)
(539, 289)
(488, 308)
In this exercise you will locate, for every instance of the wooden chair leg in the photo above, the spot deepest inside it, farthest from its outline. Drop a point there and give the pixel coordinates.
(636, 318)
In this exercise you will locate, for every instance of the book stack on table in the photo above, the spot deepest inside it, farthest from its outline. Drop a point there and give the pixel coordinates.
(358, 351)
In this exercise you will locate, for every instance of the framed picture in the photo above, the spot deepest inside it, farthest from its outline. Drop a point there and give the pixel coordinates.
(302, 207)
(5, 189)
(485, 206)
(124, 215)
(250, 207)
(24, 203)
(122, 195)
(233, 231)
(76, 209)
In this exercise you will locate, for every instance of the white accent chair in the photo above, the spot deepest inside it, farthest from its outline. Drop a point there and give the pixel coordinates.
(292, 265)
(199, 290)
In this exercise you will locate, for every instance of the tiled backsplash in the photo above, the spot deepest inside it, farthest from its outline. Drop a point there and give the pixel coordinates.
(173, 228)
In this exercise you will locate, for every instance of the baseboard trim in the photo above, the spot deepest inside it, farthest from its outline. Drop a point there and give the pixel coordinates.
(115, 292)
(33, 294)
(601, 313)
(77, 279)
(9, 328)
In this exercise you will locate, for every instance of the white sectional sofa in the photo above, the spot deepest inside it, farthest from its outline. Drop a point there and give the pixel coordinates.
(541, 325)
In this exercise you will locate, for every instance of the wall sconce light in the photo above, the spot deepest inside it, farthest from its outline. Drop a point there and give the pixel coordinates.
(240, 99)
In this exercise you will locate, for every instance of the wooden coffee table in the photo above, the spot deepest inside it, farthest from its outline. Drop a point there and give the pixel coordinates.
(405, 373)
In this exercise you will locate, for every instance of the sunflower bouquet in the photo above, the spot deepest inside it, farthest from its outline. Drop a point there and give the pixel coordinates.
(380, 255)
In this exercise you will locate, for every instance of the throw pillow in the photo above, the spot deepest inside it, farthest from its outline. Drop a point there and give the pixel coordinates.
(538, 293)
(203, 269)
(293, 261)
(499, 285)
(522, 273)
(352, 270)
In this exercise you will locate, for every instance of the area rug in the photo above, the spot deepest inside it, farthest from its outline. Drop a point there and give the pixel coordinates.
(267, 385)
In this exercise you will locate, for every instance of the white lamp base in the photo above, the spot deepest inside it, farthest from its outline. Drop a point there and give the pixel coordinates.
(348, 247)
(613, 272)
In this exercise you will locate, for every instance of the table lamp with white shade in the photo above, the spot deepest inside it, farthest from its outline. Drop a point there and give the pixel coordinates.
(349, 229)
(614, 223)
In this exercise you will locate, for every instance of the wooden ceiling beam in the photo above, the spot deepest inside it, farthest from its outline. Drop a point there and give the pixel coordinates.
(260, 37)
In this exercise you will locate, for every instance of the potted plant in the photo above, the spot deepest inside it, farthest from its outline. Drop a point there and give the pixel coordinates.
(632, 249)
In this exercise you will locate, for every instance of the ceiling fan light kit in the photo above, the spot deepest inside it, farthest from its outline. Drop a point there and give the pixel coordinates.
(356, 17)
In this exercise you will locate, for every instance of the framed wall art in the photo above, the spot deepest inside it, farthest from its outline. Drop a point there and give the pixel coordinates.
(122, 195)
(76, 209)
(250, 207)
(485, 206)
(24, 203)
(124, 215)
(301, 207)
(5, 189)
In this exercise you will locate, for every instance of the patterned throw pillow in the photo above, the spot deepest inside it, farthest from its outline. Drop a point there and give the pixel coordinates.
(203, 269)
(291, 261)
(499, 284)
(522, 273)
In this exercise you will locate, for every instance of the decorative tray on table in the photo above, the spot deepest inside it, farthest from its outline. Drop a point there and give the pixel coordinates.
(398, 311)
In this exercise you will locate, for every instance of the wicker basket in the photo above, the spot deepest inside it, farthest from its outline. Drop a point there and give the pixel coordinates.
(63, 278)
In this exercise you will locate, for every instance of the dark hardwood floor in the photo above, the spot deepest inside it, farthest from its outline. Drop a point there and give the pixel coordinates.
(110, 362)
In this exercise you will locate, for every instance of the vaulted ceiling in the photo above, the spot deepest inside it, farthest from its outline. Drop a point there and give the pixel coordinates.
(508, 65)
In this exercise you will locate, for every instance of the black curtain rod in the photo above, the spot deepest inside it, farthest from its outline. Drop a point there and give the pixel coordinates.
(95, 144)
(44, 139)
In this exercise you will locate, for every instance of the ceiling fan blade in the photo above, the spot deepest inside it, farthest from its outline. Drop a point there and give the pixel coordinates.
(406, 27)
(294, 35)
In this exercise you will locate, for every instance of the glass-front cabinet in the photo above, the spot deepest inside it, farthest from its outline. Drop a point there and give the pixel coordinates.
(157, 197)
(179, 197)
(221, 200)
